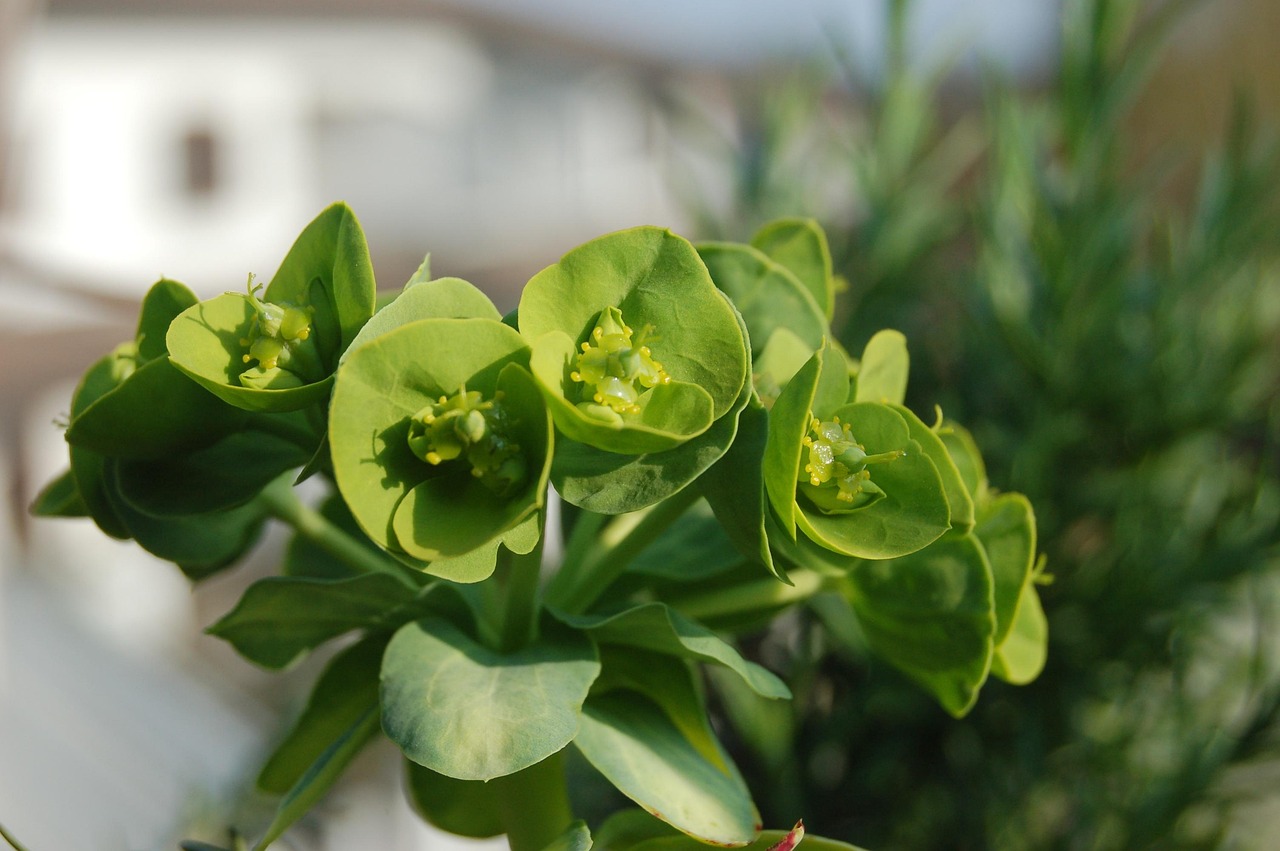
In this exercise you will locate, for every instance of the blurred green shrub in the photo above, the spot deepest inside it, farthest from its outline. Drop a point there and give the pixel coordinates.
(1121, 360)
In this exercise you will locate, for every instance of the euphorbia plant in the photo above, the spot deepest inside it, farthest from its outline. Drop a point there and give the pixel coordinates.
(718, 458)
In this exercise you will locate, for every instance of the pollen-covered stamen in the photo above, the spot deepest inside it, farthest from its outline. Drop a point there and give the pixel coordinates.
(467, 426)
(837, 460)
(278, 331)
(614, 361)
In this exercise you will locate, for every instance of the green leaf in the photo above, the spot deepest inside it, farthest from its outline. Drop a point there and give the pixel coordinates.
(658, 282)
(1007, 529)
(576, 838)
(343, 695)
(633, 743)
(930, 615)
(959, 502)
(461, 807)
(801, 246)
(734, 487)
(89, 468)
(60, 498)
(304, 558)
(161, 305)
(205, 342)
(331, 250)
(788, 424)
(883, 370)
(390, 379)
(155, 412)
(767, 294)
(654, 626)
(914, 511)
(454, 513)
(200, 544)
(968, 460)
(442, 298)
(1020, 658)
(224, 475)
(280, 618)
(322, 774)
(470, 713)
(625, 829)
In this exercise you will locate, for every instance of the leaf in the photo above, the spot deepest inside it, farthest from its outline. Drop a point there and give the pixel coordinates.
(576, 838)
(655, 626)
(161, 305)
(311, 787)
(882, 373)
(914, 511)
(766, 293)
(658, 282)
(155, 412)
(200, 544)
(1020, 658)
(959, 502)
(693, 548)
(204, 342)
(280, 618)
(388, 380)
(454, 513)
(1007, 529)
(801, 246)
(60, 498)
(624, 829)
(224, 475)
(461, 807)
(343, 695)
(442, 298)
(88, 468)
(930, 615)
(968, 460)
(330, 250)
(640, 751)
(734, 487)
(470, 713)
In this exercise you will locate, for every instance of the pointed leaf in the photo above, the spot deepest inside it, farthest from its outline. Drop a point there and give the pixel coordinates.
(576, 838)
(343, 695)
(930, 615)
(60, 498)
(280, 618)
(640, 751)
(161, 305)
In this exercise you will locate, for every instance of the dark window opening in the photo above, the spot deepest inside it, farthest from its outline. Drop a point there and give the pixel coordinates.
(200, 162)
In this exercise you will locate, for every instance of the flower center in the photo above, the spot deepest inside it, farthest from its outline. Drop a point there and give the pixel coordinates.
(279, 336)
(466, 426)
(838, 462)
(612, 363)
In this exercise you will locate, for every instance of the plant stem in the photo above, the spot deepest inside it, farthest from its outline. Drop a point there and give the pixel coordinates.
(624, 539)
(534, 804)
(15, 844)
(522, 598)
(750, 597)
(282, 503)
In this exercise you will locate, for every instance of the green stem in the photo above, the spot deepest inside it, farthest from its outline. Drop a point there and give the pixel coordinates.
(624, 539)
(757, 596)
(523, 600)
(534, 804)
(15, 844)
(282, 503)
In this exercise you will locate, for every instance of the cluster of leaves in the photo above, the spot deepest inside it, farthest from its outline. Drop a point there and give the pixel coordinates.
(1119, 360)
(720, 457)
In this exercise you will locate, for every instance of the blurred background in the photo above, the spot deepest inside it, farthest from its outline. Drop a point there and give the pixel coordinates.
(1069, 207)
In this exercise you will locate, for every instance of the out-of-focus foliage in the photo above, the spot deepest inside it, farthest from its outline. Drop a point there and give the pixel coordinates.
(1120, 363)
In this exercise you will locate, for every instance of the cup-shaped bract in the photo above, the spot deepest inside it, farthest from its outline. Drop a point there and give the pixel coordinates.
(852, 477)
(633, 347)
(440, 440)
(275, 349)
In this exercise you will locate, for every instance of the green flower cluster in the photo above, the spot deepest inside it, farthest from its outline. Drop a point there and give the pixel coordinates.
(685, 402)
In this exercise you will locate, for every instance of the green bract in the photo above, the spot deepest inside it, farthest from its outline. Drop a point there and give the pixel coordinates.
(441, 443)
(850, 476)
(276, 350)
(633, 347)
